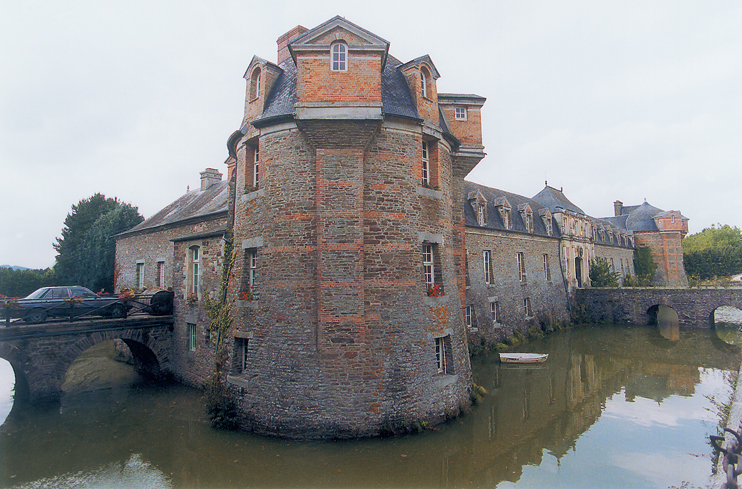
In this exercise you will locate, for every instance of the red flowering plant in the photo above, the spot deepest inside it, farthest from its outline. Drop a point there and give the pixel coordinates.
(192, 298)
(126, 294)
(9, 302)
(73, 300)
(435, 290)
(247, 295)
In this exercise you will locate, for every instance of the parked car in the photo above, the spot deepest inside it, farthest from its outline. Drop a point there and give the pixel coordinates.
(66, 301)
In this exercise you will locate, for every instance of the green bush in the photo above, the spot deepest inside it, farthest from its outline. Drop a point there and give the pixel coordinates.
(221, 408)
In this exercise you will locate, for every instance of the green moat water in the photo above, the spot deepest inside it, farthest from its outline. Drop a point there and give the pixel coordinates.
(614, 406)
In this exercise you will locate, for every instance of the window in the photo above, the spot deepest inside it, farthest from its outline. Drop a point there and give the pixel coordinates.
(160, 282)
(486, 255)
(613, 267)
(241, 355)
(140, 275)
(547, 269)
(443, 355)
(527, 307)
(424, 81)
(425, 165)
(521, 267)
(252, 266)
(481, 213)
(471, 317)
(461, 113)
(432, 273)
(428, 264)
(255, 84)
(256, 167)
(195, 269)
(339, 57)
(191, 337)
(495, 311)
(529, 222)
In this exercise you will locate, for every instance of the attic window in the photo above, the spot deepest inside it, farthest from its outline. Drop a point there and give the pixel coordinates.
(255, 84)
(461, 113)
(339, 57)
(424, 81)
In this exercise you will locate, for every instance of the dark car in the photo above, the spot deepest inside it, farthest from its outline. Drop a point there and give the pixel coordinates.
(66, 302)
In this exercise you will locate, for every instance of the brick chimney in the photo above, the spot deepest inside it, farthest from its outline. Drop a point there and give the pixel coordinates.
(283, 42)
(617, 208)
(209, 177)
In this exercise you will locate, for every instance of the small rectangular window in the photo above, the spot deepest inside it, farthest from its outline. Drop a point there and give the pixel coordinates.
(160, 274)
(191, 337)
(487, 265)
(195, 260)
(471, 317)
(428, 264)
(521, 267)
(256, 167)
(495, 310)
(444, 355)
(547, 269)
(431, 270)
(425, 164)
(140, 275)
(461, 113)
(527, 307)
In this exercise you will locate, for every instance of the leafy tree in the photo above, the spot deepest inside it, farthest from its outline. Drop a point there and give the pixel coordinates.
(20, 283)
(85, 252)
(602, 274)
(644, 267)
(714, 252)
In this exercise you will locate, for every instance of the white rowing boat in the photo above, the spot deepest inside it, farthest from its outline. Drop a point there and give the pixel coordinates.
(523, 357)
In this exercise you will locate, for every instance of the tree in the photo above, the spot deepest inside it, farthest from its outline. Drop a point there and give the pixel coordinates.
(20, 283)
(85, 252)
(714, 252)
(644, 266)
(602, 274)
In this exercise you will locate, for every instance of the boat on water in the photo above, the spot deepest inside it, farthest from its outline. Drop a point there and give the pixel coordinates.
(523, 357)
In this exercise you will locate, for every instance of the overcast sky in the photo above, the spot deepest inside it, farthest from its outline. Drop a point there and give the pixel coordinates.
(626, 100)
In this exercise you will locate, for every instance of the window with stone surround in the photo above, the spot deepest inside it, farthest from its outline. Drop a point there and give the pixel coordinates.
(194, 270)
(527, 307)
(255, 84)
(425, 165)
(431, 269)
(140, 275)
(444, 355)
(487, 265)
(249, 275)
(471, 316)
(241, 356)
(495, 311)
(339, 56)
(520, 257)
(547, 268)
(424, 82)
(160, 281)
(429, 164)
(256, 167)
(503, 207)
(460, 113)
(191, 337)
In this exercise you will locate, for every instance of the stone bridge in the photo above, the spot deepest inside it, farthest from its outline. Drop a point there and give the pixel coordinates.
(694, 307)
(41, 354)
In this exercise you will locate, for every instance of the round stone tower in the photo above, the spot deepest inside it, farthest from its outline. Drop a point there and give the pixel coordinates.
(349, 282)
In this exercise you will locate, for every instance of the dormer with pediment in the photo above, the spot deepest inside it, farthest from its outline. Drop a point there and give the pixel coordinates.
(338, 71)
(479, 204)
(421, 75)
(259, 77)
(546, 217)
(526, 214)
(503, 207)
(672, 221)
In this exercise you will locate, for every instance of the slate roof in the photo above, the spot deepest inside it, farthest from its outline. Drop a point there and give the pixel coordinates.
(194, 204)
(556, 201)
(494, 221)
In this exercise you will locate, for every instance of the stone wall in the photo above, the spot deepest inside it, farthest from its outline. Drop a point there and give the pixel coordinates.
(621, 259)
(547, 295)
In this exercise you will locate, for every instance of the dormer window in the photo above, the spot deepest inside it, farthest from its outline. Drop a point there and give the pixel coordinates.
(546, 218)
(255, 84)
(503, 207)
(527, 215)
(461, 113)
(339, 56)
(481, 213)
(424, 82)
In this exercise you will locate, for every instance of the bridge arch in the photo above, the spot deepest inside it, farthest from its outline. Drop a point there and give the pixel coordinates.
(17, 359)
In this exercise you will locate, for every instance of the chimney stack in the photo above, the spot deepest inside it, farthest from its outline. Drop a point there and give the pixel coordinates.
(284, 40)
(209, 177)
(617, 208)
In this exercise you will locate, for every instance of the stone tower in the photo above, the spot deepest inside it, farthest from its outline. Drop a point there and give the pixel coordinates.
(349, 286)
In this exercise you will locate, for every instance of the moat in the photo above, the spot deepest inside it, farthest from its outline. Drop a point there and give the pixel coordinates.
(614, 406)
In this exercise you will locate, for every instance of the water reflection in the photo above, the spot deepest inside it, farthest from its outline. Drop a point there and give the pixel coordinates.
(609, 405)
(728, 324)
(667, 323)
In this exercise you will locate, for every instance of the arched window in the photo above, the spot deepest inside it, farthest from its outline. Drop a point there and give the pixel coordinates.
(424, 81)
(339, 56)
(255, 84)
